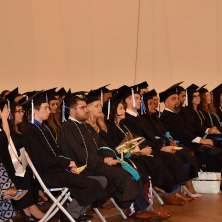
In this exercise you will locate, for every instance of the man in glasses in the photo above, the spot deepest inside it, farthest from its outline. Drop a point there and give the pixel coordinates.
(81, 143)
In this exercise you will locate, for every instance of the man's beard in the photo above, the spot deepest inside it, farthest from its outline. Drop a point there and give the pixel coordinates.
(82, 118)
(177, 109)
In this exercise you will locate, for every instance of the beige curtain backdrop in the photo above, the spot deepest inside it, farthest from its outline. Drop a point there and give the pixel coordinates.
(84, 44)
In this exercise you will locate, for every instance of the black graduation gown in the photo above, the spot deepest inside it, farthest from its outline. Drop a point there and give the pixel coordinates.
(45, 154)
(211, 119)
(163, 173)
(185, 155)
(219, 112)
(181, 130)
(24, 183)
(114, 138)
(81, 142)
(195, 119)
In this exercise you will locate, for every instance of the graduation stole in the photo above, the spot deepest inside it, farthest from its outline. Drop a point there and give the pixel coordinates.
(123, 131)
(125, 165)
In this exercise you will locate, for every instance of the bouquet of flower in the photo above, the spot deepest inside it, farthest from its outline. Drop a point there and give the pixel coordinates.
(128, 145)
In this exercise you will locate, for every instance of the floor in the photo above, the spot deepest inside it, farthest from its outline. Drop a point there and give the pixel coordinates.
(208, 208)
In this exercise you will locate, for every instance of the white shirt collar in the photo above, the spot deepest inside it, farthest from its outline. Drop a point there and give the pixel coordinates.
(74, 120)
(169, 110)
(132, 113)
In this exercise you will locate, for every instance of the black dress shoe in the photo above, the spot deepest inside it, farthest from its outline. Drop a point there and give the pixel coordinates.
(81, 218)
(85, 217)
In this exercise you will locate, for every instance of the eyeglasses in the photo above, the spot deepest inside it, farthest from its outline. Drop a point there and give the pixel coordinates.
(196, 96)
(80, 107)
(20, 111)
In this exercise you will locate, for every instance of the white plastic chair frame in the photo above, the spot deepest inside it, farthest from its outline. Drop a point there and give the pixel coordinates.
(65, 195)
(57, 203)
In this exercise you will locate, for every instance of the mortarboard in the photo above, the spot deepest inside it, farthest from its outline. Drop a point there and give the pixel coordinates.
(142, 85)
(217, 89)
(61, 92)
(168, 92)
(202, 89)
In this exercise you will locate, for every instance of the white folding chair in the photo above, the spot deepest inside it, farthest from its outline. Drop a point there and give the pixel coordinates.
(62, 198)
(57, 203)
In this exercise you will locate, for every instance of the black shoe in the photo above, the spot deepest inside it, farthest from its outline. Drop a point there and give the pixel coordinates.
(85, 217)
(81, 218)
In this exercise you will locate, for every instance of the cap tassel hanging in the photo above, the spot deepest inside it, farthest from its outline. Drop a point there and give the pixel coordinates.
(63, 112)
(9, 117)
(142, 105)
(159, 111)
(32, 114)
(46, 97)
(108, 109)
(186, 98)
(102, 98)
(134, 102)
(159, 108)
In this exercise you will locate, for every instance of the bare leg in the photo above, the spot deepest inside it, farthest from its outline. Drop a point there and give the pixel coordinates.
(34, 210)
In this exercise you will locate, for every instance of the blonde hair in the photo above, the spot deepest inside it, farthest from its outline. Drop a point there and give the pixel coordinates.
(98, 123)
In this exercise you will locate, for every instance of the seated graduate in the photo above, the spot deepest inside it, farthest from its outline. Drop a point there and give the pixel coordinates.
(174, 169)
(194, 115)
(211, 119)
(6, 208)
(181, 130)
(155, 98)
(22, 179)
(181, 95)
(96, 120)
(81, 142)
(54, 168)
(117, 131)
(54, 120)
(150, 119)
(217, 100)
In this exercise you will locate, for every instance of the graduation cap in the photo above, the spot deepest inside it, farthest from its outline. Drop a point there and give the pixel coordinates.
(22, 100)
(37, 99)
(29, 94)
(50, 94)
(149, 95)
(192, 88)
(130, 91)
(202, 89)
(11, 97)
(217, 89)
(119, 90)
(113, 101)
(61, 92)
(168, 92)
(189, 92)
(99, 92)
(142, 85)
(92, 97)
